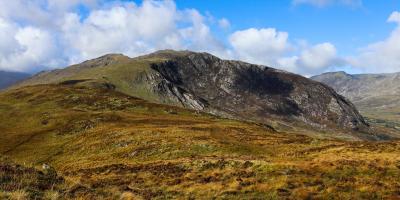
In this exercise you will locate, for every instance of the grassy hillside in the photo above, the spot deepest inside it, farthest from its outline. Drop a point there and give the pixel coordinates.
(27, 182)
(119, 70)
(104, 144)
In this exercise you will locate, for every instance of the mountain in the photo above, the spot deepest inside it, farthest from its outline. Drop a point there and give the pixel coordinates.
(226, 88)
(80, 140)
(185, 125)
(376, 95)
(9, 78)
(365, 89)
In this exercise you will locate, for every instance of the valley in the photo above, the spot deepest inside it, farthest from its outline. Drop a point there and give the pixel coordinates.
(375, 95)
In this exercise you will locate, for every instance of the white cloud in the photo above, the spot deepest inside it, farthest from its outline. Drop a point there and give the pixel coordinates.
(224, 23)
(27, 11)
(109, 27)
(273, 48)
(135, 30)
(29, 35)
(52, 33)
(199, 37)
(7, 41)
(262, 46)
(382, 56)
(41, 13)
(67, 5)
(394, 17)
(324, 3)
(318, 56)
(125, 28)
(312, 60)
(25, 47)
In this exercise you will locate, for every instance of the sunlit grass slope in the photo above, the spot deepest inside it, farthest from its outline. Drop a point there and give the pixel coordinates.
(104, 144)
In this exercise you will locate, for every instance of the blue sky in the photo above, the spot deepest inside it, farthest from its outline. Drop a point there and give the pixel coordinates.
(347, 26)
(302, 36)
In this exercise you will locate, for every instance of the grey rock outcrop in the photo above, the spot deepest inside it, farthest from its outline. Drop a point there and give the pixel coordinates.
(228, 88)
(201, 81)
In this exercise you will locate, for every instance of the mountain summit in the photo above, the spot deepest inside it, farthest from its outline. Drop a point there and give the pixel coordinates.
(228, 88)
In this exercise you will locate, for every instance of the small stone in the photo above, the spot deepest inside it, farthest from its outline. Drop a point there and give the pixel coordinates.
(45, 166)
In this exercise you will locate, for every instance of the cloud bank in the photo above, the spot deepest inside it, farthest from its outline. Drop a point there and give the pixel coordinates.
(52, 34)
(59, 34)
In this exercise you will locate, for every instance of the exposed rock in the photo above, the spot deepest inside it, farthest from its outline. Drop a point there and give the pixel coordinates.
(206, 83)
(251, 91)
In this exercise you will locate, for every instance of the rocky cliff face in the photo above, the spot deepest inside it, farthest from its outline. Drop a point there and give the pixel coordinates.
(204, 82)
(200, 80)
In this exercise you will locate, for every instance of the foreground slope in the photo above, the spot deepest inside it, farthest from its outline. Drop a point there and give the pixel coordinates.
(104, 144)
(227, 88)
(376, 95)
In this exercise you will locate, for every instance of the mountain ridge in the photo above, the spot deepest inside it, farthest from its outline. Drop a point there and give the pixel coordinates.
(362, 88)
(227, 88)
(377, 96)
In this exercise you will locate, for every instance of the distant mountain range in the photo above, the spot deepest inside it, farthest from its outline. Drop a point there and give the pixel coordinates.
(376, 95)
(227, 88)
(10, 78)
(375, 90)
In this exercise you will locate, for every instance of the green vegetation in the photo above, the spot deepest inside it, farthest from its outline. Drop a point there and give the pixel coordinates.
(233, 89)
(102, 144)
(387, 119)
(124, 73)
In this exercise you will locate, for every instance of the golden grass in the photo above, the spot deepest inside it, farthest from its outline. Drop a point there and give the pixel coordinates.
(109, 146)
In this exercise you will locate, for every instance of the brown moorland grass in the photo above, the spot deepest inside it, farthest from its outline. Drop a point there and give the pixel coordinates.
(106, 145)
